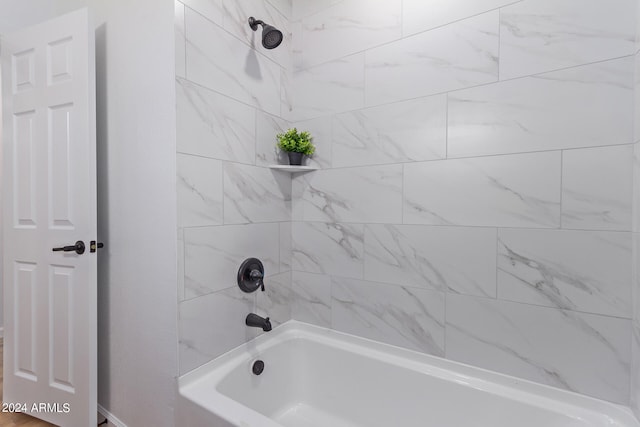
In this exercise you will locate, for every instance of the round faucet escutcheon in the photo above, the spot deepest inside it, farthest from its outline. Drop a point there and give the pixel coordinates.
(251, 275)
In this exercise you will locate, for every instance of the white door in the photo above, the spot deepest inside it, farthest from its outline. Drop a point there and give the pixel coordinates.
(49, 198)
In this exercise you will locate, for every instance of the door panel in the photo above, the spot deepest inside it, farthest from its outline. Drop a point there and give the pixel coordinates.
(49, 184)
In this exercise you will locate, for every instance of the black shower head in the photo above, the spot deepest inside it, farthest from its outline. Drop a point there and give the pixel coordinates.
(271, 36)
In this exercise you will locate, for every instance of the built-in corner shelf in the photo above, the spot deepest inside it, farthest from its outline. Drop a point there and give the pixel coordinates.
(288, 168)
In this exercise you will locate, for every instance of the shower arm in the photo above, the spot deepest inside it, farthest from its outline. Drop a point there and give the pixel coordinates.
(253, 23)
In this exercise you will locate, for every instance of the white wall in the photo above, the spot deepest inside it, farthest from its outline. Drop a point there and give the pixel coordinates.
(137, 324)
(15, 14)
(137, 310)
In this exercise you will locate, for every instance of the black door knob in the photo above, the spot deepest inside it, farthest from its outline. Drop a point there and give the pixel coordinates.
(77, 248)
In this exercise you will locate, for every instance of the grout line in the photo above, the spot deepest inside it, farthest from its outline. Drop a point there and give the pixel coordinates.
(278, 11)
(397, 224)
(184, 30)
(364, 251)
(461, 89)
(561, 188)
(235, 162)
(497, 234)
(470, 157)
(222, 175)
(444, 323)
(300, 18)
(499, 39)
(393, 102)
(403, 198)
(446, 129)
(235, 36)
(404, 36)
(224, 95)
(446, 293)
(255, 138)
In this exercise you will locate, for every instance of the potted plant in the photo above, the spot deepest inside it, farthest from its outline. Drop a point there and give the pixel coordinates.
(296, 144)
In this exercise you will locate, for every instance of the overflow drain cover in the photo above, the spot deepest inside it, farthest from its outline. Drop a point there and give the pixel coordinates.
(258, 367)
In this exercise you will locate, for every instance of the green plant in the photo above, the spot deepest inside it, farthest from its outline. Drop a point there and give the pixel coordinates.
(296, 142)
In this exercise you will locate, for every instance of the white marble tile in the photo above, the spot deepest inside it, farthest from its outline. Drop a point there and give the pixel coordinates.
(275, 302)
(636, 90)
(255, 194)
(286, 246)
(320, 130)
(457, 259)
(635, 277)
(635, 370)
(398, 315)
(297, 45)
(586, 271)
(504, 191)
(635, 200)
(286, 94)
(637, 38)
(421, 15)
(456, 56)
(199, 182)
(178, 28)
(213, 324)
(543, 35)
(311, 295)
(394, 133)
(267, 127)
(348, 27)
(597, 187)
(285, 7)
(328, 248)
(328, 88)
(213, 125)
(585, 353)
(545, 112)
(363, 194)
(221, 62)
(214, 254)
(236, 16)
(210, 9)
(302, 8)
(180, 262)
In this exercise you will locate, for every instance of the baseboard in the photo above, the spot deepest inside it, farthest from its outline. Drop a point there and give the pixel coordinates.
(113, 420)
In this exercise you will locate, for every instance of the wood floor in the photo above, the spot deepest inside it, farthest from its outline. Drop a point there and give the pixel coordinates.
(8, 419)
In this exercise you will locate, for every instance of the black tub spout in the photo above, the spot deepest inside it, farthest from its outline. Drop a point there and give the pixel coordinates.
(256, 321)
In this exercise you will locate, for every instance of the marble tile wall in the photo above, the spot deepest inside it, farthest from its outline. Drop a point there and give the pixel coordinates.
(477, 192)
(231, 205)
(635, 226)
(635, 342)
(475, 197)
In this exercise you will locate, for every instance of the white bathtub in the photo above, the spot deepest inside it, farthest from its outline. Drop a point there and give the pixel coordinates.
(315, 377)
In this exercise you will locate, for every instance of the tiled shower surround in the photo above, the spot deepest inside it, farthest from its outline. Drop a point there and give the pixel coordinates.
(475, 198)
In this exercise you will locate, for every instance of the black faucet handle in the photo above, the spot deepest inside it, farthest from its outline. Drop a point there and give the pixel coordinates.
(258, 276)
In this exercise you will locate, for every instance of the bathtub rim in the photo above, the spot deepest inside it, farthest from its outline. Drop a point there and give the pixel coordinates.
(501, 385)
